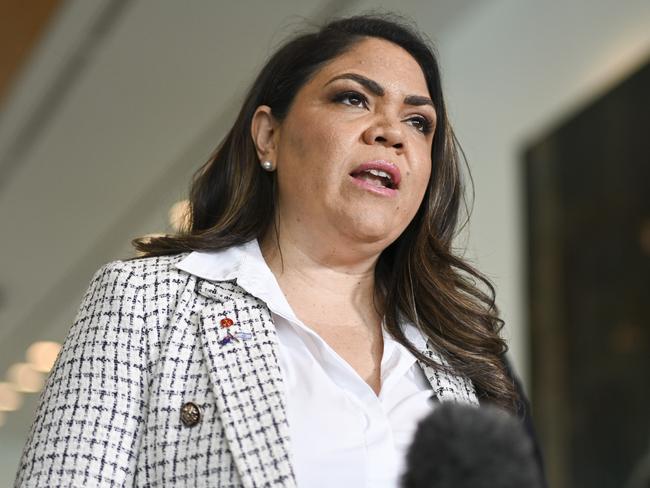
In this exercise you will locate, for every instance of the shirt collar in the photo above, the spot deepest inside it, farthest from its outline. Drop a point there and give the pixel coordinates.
(222, 265)
(245, 264)
(414, 335)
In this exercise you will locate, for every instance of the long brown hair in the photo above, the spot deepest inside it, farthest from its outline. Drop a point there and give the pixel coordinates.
(232, 201)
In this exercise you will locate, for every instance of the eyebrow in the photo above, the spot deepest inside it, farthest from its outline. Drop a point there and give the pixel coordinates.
(378, 90)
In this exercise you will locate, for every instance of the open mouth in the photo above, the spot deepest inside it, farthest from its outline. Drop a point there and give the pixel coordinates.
(380, 177)
(376, 177)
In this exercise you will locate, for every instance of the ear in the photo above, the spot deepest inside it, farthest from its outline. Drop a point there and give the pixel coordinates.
(264, 131)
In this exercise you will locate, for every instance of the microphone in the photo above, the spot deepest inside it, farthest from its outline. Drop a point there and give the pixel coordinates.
(459, 446)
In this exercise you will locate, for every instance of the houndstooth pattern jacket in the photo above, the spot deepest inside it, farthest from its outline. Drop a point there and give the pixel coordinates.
(146, 341)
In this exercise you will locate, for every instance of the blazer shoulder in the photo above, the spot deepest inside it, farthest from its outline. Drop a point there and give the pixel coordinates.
(144, 266)
(140, 286)
(142, 271)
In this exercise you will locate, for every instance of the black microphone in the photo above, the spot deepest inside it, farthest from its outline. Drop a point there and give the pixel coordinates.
(459, 446)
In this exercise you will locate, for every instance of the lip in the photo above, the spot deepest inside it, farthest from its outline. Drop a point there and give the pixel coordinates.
(381, 165)
(379, 190)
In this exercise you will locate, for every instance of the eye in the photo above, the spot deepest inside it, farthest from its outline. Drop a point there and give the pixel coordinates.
(422, 124)
(354, 99)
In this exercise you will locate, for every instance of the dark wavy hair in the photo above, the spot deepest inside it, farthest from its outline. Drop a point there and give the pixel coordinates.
(232, 201)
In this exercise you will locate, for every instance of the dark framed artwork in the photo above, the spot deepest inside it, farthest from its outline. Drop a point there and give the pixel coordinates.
(587, 185)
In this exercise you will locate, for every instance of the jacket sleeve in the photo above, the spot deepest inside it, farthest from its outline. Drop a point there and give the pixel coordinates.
(89, 419)
(524, 413)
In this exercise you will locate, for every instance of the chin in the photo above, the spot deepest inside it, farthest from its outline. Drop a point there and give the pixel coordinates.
(367, 233)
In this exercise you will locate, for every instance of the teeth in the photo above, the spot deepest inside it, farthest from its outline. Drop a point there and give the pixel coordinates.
(377, 172)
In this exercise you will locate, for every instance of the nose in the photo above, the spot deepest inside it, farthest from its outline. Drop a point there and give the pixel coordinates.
(384, 132)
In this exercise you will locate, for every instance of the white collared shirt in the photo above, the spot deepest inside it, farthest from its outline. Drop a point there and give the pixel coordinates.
(342, 434)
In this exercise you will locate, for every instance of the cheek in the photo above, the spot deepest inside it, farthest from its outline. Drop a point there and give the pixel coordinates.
(325, 142)
(316, 151)
(420, 175)
(295, 147)
(424, 179)
(302, 163)
(303, 142)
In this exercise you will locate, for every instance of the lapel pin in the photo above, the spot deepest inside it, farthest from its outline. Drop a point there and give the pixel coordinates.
(226, 323)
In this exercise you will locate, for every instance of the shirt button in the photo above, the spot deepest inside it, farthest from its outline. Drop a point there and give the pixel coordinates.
(190, 414)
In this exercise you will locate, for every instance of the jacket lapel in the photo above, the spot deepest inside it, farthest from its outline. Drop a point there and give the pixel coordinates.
(448, 387)
(245, 371)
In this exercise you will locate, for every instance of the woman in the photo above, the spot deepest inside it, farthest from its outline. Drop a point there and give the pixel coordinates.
(297, 331)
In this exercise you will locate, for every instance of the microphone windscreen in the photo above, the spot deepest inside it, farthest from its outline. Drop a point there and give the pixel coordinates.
(460, 446)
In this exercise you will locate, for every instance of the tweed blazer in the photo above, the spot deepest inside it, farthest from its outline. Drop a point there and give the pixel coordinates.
(147, 340)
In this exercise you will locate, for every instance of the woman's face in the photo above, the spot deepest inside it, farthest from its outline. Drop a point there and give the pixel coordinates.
(363, 117)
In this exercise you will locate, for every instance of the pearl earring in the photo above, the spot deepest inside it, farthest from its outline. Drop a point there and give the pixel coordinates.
(268, 165)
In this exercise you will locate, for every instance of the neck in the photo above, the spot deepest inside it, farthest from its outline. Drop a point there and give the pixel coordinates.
(325, 274)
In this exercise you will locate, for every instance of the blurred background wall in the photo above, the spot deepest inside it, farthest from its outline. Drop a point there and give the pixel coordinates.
(109, 106)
